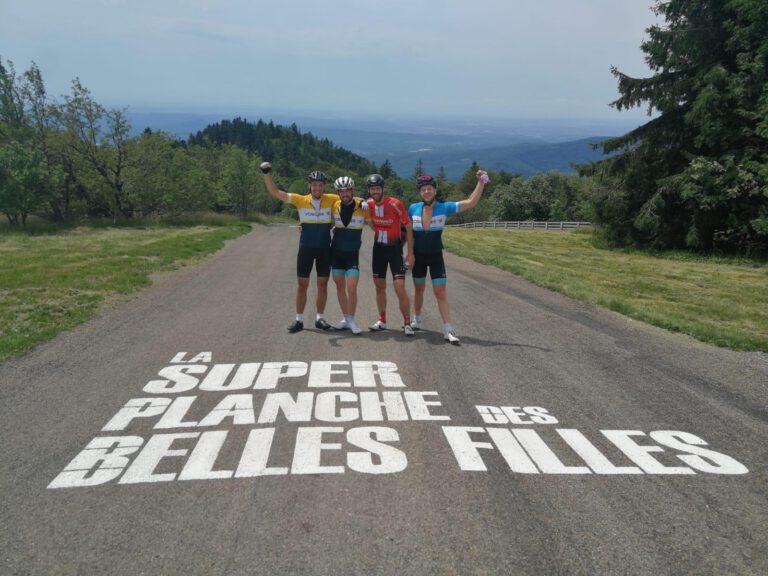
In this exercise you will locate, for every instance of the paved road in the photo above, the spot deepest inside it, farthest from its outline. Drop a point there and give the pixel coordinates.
(558, 439)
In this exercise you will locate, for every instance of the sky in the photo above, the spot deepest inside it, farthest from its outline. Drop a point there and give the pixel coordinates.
(344, 58)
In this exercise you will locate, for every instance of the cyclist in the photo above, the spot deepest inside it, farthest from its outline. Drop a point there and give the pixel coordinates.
(428, 217)
(349, 216)
(315, 242)
(388, 217)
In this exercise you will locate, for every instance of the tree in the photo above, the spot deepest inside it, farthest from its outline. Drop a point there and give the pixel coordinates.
(99, 137)
(419, 169)
(695, 175)
(468, 181)
(239, 180)
(21, 175)
(386, 170)
(26, 175)
(441, 177)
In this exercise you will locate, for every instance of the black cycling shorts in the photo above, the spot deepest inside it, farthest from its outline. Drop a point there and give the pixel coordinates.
(344, 261)
(432, 261)
(387, 257)
(320, 257)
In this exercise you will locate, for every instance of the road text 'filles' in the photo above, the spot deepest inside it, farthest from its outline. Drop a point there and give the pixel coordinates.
(174, 432)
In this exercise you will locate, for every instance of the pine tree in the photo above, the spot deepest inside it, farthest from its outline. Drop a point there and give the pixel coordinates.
(387, 171)
(695, 175)
(441, 178)
(419, 170)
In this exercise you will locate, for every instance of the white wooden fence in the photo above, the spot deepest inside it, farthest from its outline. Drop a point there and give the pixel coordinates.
(525, 225)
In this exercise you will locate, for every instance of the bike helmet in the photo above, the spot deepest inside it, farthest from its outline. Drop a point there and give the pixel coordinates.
(344, 183)
(316, 176)
(374, 180)
(425, 180)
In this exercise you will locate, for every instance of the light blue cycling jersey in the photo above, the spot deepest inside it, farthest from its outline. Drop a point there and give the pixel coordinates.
(430, 240)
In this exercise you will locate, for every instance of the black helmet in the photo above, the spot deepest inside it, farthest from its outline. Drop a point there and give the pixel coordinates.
(374, 180)
(316, 176)
(425, 180)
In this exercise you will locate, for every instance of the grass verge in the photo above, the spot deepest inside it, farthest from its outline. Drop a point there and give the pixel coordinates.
(52, 282)
(722, 301)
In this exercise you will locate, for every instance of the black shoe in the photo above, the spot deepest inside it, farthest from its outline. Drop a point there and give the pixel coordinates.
(322, 323)
(296, 326)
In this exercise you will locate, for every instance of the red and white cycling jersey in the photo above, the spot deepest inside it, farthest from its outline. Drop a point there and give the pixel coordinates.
(387, 218)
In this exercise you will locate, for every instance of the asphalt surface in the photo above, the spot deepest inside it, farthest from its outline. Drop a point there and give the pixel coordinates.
(356, 479)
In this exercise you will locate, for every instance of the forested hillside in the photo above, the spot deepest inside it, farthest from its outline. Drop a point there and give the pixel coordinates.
(276, 142)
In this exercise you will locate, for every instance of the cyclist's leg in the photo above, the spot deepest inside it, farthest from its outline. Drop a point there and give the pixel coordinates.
(338, 272)
(352, 276)
(419, 274)
(341, 290)
(301, 294)
(379, 266)
(323, 266)
(304, 262)
(439, 277)
(398, 271)
(381, 297)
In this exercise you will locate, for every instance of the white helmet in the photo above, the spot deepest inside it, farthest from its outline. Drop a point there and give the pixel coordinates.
(344, 183)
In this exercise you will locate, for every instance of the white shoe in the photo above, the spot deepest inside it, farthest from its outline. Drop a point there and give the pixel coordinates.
(341, 325)
(378, 326)
(408, 330)
(354, 327)
(416, 324)
(451, 337)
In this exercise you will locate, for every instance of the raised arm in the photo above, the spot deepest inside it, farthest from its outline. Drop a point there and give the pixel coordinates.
(477, 193)
(272, 188)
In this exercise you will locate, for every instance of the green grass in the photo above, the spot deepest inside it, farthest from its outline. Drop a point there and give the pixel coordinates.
(720, 300)
(50, 282)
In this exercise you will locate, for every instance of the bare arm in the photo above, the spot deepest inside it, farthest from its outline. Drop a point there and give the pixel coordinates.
(270, 184)
(410, 258)
(477, 193)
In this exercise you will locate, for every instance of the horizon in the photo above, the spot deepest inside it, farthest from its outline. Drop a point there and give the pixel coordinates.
(396, 124)
(494, 59)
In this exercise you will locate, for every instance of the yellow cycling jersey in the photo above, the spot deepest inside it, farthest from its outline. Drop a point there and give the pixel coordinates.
(316, 221)
(348, 238)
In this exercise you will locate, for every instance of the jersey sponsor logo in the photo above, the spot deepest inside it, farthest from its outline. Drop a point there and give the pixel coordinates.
(437, 223)
(312, 216)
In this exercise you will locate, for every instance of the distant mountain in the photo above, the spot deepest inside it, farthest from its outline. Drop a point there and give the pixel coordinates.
(177, 124)
(385, 144)
(526, 158)
(523, 147)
